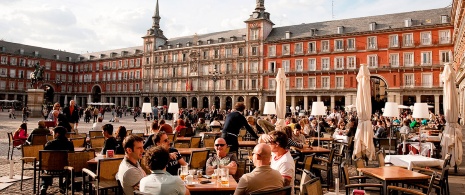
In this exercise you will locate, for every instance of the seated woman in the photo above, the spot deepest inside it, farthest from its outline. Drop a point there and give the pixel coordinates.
(180, 126)
(121, 133)
(252, 122)
(20, 135)
(340, 130)
(201, 125)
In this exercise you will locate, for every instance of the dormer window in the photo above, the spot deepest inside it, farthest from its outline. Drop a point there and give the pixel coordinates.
(444, 19)
(91, 57)
(113, 54)
(209, 41)
(57, 57)
(3, 49)
(160, 47)
(408, 22)
(21, 51)
(244, 37)
(199, 42)
(220, 40)
(232, 38)
(372, 26)
(102, 56)
(312, 31)
(124, 53)
(288, 34)
(137, 51)
(69, 59)
(169, 46)
(340, 29)
(178, 45)
(81, 58)
(188, 44)
(36, 53)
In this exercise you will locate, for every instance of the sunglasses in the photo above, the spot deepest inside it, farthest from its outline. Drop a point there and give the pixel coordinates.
(217, 145)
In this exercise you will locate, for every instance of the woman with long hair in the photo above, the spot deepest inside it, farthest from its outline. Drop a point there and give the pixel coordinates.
(20, 135)
(121, 133)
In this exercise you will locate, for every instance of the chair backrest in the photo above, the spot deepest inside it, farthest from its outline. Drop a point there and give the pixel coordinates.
(345, 173)
(129, 132)
(31, 151)
(242, 132)
(95, 133)
(70, 135)
(281, 191)
(108, 167)
(189, 131)
(241, 165)
(138, 134)
(359, 163)
(79, 135)
(78, 142)
(39, 139)
(199, 159)
(308, 162)
(208, 141)
(380, 156)
(171, 137)
(53, 160)
(195, 142)
(10, 138)
(97, 142)
(313, 187)
(350, 141)
(331, 155)
(78, 160)
(183, 131)
(50, 138)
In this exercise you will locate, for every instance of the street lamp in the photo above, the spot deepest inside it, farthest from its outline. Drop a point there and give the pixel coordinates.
(216, 76)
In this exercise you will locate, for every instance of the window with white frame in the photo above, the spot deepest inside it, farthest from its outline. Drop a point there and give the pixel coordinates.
(254, 67)
(394, 40)
(58, 67)
(175, 57)
(286, 65)
(184, 71)
(96, 77)
(271, 67)
(408, 39)
(2, 85)
(272, 50)
(325, 64)
(325, 82)
(131, 63)
(339, 82)
(339, 63)
(394, 60)
(240, 85)
(325, 46)
(299, 65)
(13, 61)
(254, 84)
(427, 79)
(240, 67)
(287, 83)
(12, 85)
(372, 61)
(298, 48)
(286, 49)
(311, 64)
(339, 45)
(351, 44)
(271, 83)
(131, 75)
(120, 75)
(408, 59)
(426, 57)
(409, 80)
(425, 38)
(113, 76)
(254, 50)
(3, 60)
(444, 36)
(351, 62)
(372, 44)
(12, 73)
(228, 52)
(312, 47)
(445, 56)
(299, 83)
(253, 34)
(204, 70)
(312, 82)
(137, 62)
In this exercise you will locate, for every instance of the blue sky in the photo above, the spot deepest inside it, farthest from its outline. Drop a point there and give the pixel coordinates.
(90, 26)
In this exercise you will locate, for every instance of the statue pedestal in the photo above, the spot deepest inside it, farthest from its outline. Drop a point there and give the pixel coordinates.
(35, 100)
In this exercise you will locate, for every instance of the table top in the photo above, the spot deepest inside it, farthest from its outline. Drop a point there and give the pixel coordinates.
(247, 143)
(322, 138)
(183, 138)
(314, 149)
(213, 187)
(187, 151)
(95, 160)
(413, 160)
(79, 149)
(393, 173)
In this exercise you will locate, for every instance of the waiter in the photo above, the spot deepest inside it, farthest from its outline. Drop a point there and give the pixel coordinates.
(233, 123)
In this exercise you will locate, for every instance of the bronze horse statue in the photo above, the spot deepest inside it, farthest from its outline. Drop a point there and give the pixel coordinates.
(37, 75)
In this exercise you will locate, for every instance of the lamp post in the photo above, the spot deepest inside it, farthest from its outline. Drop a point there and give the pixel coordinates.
(216, 76)
(420, 111)
(318, 109)
(391, 109)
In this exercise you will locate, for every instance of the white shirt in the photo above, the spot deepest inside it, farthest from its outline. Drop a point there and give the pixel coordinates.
(285, 165)
(97, 126)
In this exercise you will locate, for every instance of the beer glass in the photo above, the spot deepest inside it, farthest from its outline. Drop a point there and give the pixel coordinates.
(183, 171)
(224, 177)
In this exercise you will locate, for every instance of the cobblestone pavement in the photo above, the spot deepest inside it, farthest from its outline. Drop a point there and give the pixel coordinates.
(456, 180)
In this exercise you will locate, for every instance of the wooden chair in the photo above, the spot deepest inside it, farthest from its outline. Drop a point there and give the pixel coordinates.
(348, 148)
(39, 139)
(190, 131)
(307, 164)
(70, 135)
(30, 155)
(183, 131)
(104, 178)
(384, 143)
(52, 164)
(195, 142)
(441, 181)
(128, 131)
(325, 164)
(411, 191)
(198, 159)
(347, 179)
(380, 156)
(95, 133)
(97, 143)
(78, 142)
(209, 142)
(76, 162)
(79, 135)
(305, 177)
(172, 138)
(11, 145)
(312, 187)
(281, 191)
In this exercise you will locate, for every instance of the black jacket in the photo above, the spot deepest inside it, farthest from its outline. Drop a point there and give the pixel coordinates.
(234, 122)
(72, 117)
(60, 143)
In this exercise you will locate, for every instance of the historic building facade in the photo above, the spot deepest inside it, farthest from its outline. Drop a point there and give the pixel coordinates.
(405, 53)
(457, 19)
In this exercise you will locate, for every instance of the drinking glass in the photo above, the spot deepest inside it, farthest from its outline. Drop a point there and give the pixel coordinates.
(311, 142)
(224, 177)
(183, 172)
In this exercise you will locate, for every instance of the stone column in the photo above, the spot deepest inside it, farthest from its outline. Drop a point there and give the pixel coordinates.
(35, 98)
(293, 102)
(418, 98)
(305, 103)
(333, 102)
(318, 98)
(436, 104)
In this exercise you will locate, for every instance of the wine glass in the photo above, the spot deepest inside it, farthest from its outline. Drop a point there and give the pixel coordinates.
(311, 142)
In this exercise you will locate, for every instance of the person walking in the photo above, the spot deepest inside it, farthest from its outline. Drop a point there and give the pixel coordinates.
(233, 123)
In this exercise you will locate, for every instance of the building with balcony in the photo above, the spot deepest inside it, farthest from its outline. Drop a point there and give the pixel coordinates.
(405, 53)
(457, 19)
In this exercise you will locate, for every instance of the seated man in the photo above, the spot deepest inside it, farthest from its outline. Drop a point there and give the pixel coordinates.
(176, 160)
(282, 160)
(222, 159)
(60, 142)
(110, 141)
(130, 171)
(41, 130)
(160, 181)
(263, 177)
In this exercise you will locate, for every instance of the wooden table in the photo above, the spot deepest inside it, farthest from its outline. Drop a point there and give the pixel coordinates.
(187, 151)
(247, 143)
(314, 149)
(212, 187)
(410, 161)
(79, 149)
(94, 161)
(183, 139)
(393, 174)
(324, 139)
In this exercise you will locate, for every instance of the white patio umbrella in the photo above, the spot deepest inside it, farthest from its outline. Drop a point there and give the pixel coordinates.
(452, 136)
(364, 135)
(280, 98)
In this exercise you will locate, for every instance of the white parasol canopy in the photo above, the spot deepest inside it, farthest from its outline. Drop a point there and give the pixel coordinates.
(364, 135)
(403, 107)
(280, 98)
(452, 135)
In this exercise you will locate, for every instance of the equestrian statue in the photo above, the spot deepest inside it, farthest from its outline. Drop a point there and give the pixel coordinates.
(38, 74)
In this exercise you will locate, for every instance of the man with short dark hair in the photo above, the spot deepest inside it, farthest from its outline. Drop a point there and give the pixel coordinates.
(176, 160)
(160, 181)
(110, 141)
(130, 172)
(282, 160)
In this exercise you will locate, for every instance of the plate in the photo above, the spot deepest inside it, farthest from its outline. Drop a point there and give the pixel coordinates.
(192, 184)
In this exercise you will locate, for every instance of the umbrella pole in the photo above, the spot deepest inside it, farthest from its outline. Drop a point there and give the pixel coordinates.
(318, 134)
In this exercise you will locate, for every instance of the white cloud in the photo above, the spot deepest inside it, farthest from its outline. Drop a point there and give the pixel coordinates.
(89, 25)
